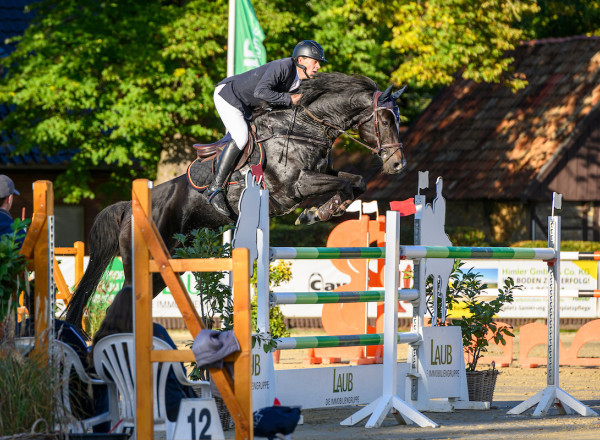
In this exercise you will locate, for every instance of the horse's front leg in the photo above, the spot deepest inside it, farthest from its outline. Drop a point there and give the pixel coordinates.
(311, 184)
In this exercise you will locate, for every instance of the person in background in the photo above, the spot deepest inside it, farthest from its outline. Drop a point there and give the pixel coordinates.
(7, 193)
(119, 319)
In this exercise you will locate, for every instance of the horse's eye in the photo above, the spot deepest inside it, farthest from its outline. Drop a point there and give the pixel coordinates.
(386, 123)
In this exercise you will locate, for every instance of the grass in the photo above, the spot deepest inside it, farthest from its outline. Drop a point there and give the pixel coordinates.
(27, 391)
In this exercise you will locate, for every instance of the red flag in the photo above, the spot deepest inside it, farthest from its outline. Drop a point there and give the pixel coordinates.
(405, 207)
(257, 172)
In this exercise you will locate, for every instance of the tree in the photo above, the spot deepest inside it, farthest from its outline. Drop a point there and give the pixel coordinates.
(563, 18)
(116, 82)
(126, 84)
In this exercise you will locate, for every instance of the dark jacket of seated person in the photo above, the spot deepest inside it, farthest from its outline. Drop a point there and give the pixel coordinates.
(118, 320)
(82, 404)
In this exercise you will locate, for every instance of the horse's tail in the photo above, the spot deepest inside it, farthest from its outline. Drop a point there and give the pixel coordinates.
(103, 246)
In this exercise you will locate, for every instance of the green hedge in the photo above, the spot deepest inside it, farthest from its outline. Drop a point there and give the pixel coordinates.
(568, 245)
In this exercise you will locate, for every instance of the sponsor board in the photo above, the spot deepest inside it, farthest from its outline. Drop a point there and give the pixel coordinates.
(263, 378)
(443, 363)
(334, 386)
(537, 307)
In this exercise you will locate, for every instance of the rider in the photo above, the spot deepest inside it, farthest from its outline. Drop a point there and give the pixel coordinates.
(236, 96)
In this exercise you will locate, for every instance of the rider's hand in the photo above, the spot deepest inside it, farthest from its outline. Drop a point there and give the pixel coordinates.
(296, 98)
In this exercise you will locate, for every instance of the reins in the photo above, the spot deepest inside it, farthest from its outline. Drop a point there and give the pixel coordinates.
(376, 150)
(376, 108)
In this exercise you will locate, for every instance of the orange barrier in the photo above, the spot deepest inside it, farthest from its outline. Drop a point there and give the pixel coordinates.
(151, 255)
(35, 249)
(78, 250)
(534, 334)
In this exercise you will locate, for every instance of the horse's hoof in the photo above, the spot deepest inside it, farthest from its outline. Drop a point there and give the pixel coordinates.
(308, 217)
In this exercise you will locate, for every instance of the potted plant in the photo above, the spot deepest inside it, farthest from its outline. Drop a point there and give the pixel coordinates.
(478, 325)
(278, 273)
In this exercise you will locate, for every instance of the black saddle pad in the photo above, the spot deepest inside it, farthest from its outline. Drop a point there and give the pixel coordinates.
(200, 173)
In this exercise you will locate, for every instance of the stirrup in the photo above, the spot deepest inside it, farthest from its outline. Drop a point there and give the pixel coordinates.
(212, 195)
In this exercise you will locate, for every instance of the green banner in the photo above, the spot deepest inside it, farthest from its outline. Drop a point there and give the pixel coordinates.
(249, 50)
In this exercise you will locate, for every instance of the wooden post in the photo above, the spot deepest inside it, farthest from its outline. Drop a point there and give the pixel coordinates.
(142, 290)
(241, 328)
(43, 206)
(79, 254)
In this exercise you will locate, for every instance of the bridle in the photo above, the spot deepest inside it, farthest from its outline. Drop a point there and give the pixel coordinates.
(388, 105)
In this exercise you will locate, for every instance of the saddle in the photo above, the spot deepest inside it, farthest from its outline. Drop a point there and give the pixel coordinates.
(208, 152)
(200, 173)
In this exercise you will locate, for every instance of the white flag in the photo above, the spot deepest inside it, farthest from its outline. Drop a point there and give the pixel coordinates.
(355, 206)
(370, 207)
(423, 179)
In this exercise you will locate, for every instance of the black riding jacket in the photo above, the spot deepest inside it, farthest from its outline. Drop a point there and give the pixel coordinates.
(270, 82)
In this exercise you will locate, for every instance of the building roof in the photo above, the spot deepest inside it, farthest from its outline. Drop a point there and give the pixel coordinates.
(13, 22)
(490, 143)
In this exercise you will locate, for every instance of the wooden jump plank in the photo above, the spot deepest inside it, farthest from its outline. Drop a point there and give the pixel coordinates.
(195, 265)
(147, 240)
(143, 318)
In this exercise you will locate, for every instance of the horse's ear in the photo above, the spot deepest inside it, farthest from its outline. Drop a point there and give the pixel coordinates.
(385, 96)
(399, 93)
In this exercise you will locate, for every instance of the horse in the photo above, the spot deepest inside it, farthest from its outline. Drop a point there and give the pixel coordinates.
(297, 170)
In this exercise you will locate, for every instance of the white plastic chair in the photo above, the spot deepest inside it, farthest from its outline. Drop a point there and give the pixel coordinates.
(111, 360)
(65, 358)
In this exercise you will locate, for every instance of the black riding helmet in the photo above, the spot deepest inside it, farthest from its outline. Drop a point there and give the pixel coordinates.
(309, 49)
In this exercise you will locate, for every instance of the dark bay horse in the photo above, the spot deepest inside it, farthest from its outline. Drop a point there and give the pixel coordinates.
(297, 143)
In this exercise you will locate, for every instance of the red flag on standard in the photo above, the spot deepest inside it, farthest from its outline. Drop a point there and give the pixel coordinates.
(405, 207)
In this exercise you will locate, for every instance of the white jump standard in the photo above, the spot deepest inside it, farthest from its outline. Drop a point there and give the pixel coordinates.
(553, 394)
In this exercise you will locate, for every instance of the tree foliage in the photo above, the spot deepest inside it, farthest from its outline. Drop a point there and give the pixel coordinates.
(118, 83)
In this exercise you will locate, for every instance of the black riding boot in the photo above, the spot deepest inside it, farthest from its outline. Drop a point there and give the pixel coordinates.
(224, 165)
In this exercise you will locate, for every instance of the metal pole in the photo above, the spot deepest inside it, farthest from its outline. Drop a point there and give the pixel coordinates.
(553, 302)
(231, 39)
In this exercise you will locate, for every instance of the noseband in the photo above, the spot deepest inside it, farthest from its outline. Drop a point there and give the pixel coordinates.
(388, 105)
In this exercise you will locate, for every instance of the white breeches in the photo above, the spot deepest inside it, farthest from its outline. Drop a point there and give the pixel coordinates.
(232, 118)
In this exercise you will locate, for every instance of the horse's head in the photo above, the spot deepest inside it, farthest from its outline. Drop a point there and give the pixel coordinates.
(380, 129)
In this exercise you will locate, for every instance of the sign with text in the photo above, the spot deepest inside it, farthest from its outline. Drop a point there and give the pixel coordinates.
(334, 386)
(442, 364)
(263, 378)
(198, 419)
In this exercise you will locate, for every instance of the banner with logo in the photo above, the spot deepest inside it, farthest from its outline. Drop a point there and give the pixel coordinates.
(249, 50)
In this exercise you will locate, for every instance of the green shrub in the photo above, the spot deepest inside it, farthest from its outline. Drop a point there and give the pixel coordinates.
(466, 288)
(567, 245)
(215, 297)
(12, 267)
(467, 236)
(278, 273)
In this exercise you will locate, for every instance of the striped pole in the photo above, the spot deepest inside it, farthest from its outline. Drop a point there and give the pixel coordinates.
(339, 297)
(413, 252)
(326, 253)
(503, 253)
(303, 342)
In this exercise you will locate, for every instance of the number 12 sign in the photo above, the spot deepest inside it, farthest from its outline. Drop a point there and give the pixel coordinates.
(198, 419)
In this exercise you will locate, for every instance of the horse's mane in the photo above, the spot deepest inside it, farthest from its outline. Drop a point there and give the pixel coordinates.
(340, 87)
(337, 83)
